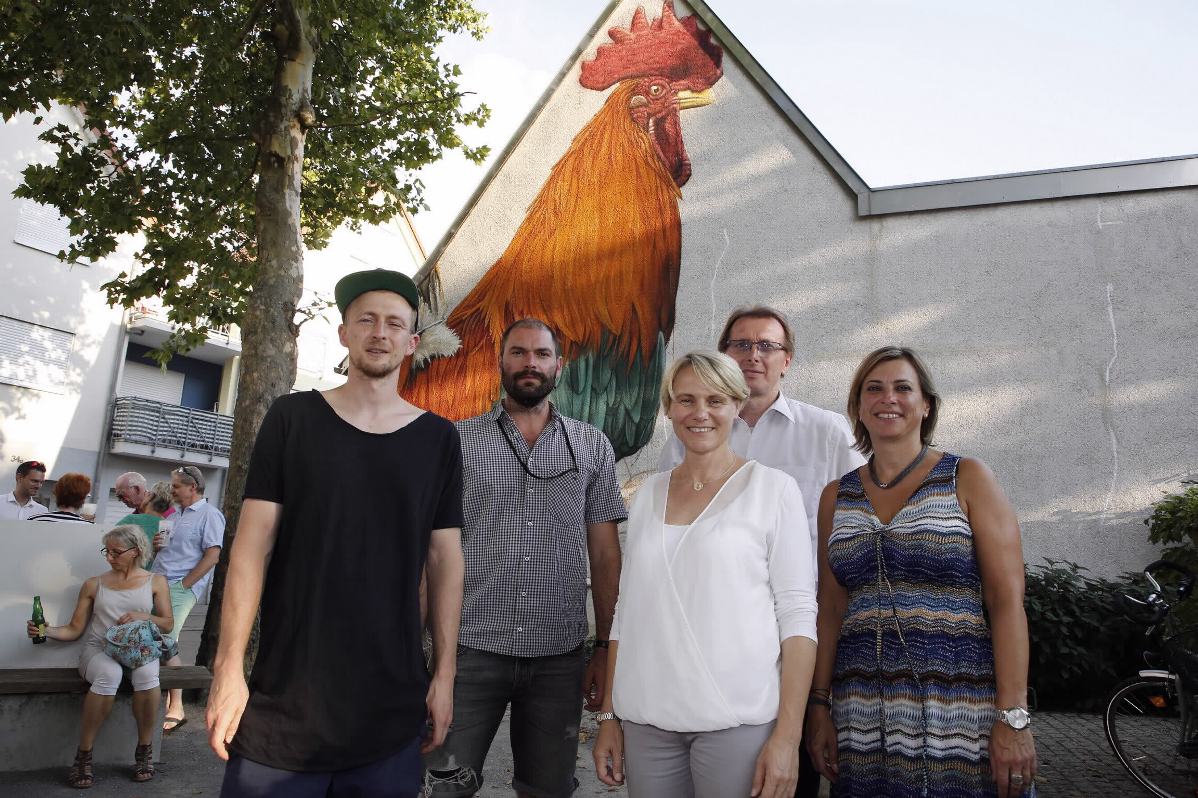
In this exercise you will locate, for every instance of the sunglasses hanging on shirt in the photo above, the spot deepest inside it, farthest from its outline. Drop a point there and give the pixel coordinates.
(524, 465)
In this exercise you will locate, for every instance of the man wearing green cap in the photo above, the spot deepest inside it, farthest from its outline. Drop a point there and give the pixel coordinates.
(350, 493)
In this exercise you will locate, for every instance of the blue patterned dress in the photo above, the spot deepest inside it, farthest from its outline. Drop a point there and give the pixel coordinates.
(913, 689)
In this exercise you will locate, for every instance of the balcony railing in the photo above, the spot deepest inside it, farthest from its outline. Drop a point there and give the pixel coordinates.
(151, 310)
(158, 425)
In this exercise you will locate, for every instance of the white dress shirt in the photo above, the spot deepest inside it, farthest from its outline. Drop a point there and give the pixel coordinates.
(701, 628)
(11, 509)
(813, 445)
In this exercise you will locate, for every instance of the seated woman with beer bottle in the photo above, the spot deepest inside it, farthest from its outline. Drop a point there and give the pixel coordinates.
(125, 592)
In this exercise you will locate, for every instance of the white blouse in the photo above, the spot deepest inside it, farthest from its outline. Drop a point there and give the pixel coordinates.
(700, 629)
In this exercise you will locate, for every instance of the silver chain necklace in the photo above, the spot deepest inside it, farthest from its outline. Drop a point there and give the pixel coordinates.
(873, 475)
(698, 486)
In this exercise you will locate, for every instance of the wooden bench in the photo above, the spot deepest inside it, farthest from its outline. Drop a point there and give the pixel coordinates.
(31, 681)
(40, 709)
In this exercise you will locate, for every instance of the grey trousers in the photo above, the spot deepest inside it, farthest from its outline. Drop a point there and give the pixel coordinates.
(718, 764)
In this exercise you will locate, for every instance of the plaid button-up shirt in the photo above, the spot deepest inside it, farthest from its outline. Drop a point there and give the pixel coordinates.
(524, 537)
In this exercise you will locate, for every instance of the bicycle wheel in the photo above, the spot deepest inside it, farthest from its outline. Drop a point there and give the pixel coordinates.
(1144, 727)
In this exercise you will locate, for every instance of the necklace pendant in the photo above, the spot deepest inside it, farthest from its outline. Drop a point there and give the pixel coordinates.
(698, 486)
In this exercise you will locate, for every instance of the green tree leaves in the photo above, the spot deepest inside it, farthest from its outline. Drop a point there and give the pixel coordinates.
(171, 97)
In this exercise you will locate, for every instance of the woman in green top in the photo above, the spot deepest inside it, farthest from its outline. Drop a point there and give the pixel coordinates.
(158, 502)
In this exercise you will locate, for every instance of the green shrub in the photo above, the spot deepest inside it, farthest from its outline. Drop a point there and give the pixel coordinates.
(1081, 645)
(1174, 525)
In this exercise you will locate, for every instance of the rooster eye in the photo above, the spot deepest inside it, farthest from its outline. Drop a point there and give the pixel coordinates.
(655, 89)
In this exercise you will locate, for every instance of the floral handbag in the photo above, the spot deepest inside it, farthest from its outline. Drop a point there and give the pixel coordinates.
(138, 643)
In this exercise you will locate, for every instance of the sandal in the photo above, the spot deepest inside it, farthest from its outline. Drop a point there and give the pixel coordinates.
(143, 758)
(169, 724)
(81, 776)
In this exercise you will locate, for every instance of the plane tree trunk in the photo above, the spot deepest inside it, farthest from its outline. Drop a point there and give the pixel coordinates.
(268, 329)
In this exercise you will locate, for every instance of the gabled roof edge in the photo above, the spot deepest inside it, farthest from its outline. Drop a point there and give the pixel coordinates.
(779, 97)
(514, 142)
(1075, 181)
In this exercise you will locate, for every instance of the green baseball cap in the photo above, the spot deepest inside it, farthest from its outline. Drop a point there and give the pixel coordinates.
(352, 286)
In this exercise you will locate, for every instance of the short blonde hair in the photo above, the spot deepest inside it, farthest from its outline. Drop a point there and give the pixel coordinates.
(129, 536)
(160, 496)
(715, 370)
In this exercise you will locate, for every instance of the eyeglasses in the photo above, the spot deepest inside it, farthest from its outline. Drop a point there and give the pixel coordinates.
(114, 553)
(744, 346)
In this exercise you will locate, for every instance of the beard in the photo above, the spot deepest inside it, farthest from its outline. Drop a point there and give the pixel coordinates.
(376, 370)
(528, 395)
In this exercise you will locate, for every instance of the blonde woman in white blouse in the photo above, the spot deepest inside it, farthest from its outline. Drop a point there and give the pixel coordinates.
(713, 645)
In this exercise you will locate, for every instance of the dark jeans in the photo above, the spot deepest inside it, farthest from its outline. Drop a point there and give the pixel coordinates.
(397, 776)
(545, 694)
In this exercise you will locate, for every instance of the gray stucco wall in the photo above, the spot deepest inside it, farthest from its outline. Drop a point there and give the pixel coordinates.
(1061, 332)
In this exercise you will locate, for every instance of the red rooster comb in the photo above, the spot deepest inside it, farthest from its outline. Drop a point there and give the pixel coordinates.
(677, 50)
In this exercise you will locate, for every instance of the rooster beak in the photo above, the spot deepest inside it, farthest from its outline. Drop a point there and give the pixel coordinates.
(694, 99)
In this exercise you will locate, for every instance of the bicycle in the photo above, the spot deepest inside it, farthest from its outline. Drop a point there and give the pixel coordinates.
(1151, 721)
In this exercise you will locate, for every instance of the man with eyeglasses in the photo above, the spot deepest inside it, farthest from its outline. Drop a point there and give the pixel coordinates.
(540, 495)
(19, 504)
(813, 445)
(186, 557)
(351, 494)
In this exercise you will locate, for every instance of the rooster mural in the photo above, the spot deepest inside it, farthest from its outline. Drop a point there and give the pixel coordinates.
(597, 255)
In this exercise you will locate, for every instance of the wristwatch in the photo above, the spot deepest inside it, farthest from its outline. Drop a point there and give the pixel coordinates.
(1017, 718)
(602, 716)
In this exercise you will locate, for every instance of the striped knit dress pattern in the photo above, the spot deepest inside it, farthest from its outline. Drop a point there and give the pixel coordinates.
(913, 689)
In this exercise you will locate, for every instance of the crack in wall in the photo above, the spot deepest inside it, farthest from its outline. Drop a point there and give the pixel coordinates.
(715, 273)
(1103, 222)
(1107, 404)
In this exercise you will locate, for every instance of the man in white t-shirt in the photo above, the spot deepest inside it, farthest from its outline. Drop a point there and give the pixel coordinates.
(19, 504)
(811, 444)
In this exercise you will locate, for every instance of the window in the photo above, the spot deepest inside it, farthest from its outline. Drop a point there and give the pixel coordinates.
(34, 356)
(40, 227)
(151, 382)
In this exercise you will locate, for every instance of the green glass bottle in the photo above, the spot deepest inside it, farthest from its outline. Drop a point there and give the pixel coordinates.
(39, 620)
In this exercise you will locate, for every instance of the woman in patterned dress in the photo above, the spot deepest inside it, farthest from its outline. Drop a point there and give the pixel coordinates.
(915, 693)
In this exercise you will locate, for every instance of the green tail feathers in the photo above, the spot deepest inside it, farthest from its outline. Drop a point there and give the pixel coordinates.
(621, 398)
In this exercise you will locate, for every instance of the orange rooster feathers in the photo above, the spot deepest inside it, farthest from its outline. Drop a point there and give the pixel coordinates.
(597, 255)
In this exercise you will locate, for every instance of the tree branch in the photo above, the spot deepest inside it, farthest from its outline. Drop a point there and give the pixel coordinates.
(385, 114)
(173, 139)
(255, 12)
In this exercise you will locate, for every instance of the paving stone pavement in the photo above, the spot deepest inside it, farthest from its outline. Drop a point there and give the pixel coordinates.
(1075, 759)
(1075, 762)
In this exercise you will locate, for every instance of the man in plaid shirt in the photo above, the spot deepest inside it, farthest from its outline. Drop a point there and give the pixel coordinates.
(540, 495)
